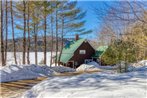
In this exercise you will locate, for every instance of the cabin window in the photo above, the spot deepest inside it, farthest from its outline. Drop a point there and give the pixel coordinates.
(82, 52)
(88, 60)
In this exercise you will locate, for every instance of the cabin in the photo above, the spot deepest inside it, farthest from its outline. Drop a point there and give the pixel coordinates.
(77, 52)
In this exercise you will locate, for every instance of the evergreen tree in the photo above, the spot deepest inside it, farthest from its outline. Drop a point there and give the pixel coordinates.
(6, 25)
(28, 27)
(24, 33)
(71, 20)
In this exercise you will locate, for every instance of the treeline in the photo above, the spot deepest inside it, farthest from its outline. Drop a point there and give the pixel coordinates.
(124, 30)
(32, 19)
(40, 44)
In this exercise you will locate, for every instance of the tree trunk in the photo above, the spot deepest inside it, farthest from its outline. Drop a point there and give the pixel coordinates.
(2, 43)
(35, 39)
(28, 25)
(6, 31)
(12, 23)
(36, 57)
(45, 39)
(62, 32)
(24, 34)
(51, 41)
(56, 36)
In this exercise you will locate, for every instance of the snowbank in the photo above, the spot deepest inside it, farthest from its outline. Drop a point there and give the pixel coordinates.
(62, 69)
(92, 66)
(18, 72)
(88, 67)
(141, 65)
(95, 85)
(93, 63)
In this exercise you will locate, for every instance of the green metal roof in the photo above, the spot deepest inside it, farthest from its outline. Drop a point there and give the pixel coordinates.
(67, 53)
(100, 50)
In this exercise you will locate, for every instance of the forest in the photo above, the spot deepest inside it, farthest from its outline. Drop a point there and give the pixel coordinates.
(42, 26)
(73, 49)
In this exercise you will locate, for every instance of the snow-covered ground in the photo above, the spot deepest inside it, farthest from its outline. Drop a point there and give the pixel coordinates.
(103, 84)
(10, 58)
(98, 85)
(95, 85)
(19, 72)
(62, 69)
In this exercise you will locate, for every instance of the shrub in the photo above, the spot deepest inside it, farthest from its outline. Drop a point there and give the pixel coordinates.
(119, 51)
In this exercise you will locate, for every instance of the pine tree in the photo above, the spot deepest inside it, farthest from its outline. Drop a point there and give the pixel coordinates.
(45, 27)
(51, 27)
(28, 27)
(56, 21)
(24, 33)
(71, 21)
(6, 25)
(47, 10)
(36, 25)
(13, 33)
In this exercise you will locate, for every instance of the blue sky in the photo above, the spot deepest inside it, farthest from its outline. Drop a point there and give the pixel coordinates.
(91, 20)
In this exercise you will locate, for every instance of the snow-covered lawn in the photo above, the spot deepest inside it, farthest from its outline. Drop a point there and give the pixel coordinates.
(95, 85)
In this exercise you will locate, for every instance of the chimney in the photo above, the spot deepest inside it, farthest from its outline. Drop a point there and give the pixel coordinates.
(77, 37)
